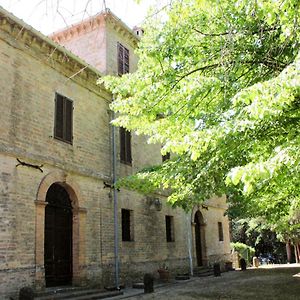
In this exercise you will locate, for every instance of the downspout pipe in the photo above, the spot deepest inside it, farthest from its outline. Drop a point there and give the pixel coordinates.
(115, 197)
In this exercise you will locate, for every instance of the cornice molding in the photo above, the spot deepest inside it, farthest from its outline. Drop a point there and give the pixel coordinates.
(85, 26)
(93, 23)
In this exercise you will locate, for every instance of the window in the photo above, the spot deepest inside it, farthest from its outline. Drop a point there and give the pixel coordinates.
(127, 230)
(63, 123)
(123, 60)
(166, 156)
(170, 229)
(125, 146)
(220, 229)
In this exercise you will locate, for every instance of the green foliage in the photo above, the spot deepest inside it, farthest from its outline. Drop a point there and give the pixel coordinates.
(258, 234)
(245, 251)
(218, 84)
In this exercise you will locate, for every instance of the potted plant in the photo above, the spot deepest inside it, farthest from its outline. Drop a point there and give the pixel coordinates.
(164, 273)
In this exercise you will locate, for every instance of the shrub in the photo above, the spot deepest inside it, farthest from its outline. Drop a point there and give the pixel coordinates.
(244, 251)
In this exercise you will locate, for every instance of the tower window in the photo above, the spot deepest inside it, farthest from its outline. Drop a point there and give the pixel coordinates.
(123, 60)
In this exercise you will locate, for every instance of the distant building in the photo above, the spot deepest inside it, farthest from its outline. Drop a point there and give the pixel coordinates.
(56, 168)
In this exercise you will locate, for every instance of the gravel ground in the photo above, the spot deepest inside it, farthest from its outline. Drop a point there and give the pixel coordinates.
(274, 282)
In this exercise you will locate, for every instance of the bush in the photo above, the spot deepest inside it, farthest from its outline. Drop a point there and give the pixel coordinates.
(244, 251)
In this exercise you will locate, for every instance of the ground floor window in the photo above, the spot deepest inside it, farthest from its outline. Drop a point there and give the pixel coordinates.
(170, 229)
(127, 225)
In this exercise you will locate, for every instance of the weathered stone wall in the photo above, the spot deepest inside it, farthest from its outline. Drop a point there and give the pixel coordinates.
(217, 250)
(213, 249)
(28, 82)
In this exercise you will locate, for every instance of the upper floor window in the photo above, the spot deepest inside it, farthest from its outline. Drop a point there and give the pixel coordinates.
(123, 60)
(63, 123)
(125, 146)
(220, 229)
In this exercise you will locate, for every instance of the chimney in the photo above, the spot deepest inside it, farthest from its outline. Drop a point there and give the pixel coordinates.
(138, 31)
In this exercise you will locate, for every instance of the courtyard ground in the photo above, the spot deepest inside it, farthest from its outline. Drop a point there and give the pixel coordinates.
(276, 282)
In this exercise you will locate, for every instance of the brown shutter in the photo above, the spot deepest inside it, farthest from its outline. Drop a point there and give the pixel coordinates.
(126, 60)
(63, 122)
(128, 147)
(59, 117)
(68, 120)
(123, 60)
(120, 59)
(122, 144)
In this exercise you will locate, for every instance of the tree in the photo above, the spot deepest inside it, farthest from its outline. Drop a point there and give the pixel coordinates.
(218, 85)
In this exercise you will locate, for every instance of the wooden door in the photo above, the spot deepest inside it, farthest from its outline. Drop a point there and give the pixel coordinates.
(58, 237)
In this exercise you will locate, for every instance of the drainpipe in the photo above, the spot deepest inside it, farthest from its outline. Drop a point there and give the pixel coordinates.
(115, 196)
(189, 242)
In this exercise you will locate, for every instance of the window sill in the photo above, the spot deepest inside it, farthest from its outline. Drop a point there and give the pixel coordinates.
(63, 141)
(129, 164)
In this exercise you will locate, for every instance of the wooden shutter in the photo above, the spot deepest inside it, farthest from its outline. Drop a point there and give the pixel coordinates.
(126, 61)
(128, 147)
(120, 59)
(63, 123)
(123, 60)
(59, 117)
(122, 144)
(125, 146)
(68, 120)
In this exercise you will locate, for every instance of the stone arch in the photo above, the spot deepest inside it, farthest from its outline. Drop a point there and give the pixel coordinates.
(63, 179)
(199, 238)
(78, 231)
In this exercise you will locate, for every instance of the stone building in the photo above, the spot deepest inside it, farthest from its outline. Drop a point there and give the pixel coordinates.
(58, 158)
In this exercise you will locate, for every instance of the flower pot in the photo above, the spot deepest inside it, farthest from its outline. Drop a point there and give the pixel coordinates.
(164, 275)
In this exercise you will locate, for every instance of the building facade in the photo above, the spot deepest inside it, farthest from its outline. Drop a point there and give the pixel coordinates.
(57, 213)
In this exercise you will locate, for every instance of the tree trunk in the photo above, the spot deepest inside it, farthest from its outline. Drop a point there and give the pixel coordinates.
(288, 251)
(296, 253)
(297, 247)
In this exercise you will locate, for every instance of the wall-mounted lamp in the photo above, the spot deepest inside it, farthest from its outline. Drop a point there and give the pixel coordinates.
(156, 202)
(204, 206)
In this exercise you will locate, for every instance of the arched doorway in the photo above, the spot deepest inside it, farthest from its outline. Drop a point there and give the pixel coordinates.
(199, 238)
(58, 237)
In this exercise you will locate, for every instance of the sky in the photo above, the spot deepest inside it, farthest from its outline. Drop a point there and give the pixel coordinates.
(48, 16)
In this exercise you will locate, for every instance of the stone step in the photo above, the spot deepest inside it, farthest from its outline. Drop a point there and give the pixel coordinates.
(76, 294)
(138, 285)
(182, 277)
(210, 273)
(58, 290)
(203, 271)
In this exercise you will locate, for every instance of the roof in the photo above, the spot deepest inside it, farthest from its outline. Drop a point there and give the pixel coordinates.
(91, 23)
